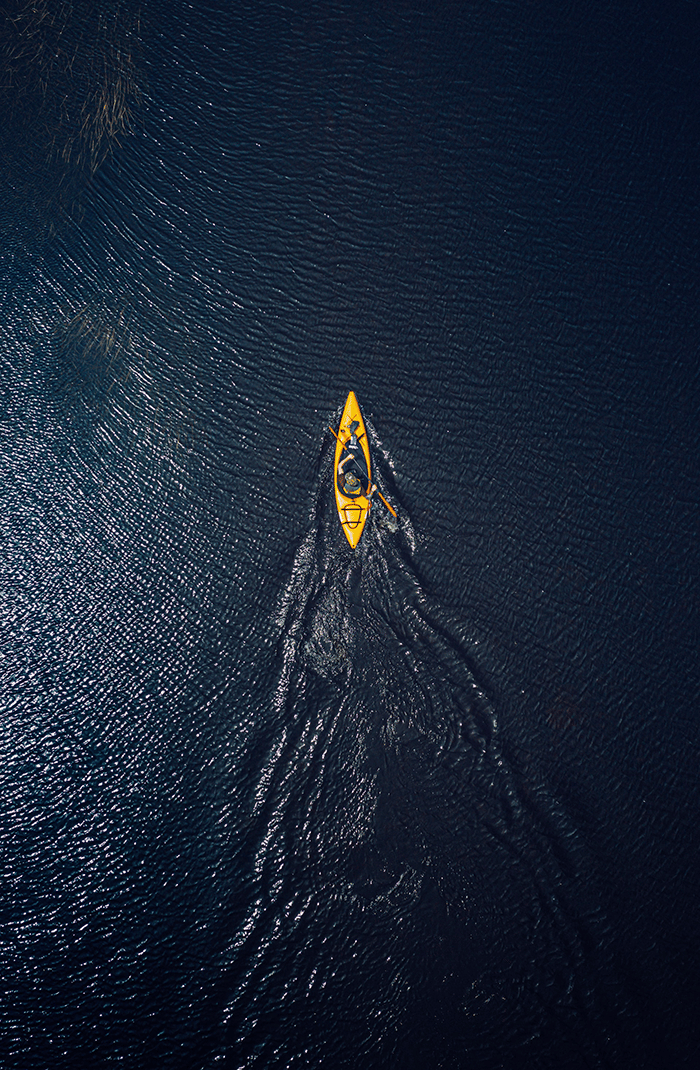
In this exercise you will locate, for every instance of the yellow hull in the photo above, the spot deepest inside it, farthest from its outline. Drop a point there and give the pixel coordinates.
(352, 511)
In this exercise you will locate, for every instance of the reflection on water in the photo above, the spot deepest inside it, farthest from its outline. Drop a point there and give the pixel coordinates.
(72, 86)
(105, 375)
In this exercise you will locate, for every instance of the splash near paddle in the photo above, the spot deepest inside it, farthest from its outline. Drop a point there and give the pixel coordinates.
(352, 470)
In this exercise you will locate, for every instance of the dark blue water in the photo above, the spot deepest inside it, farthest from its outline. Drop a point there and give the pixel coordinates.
(266, 802)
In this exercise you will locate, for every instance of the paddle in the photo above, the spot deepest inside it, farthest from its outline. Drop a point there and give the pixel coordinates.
(365, 473)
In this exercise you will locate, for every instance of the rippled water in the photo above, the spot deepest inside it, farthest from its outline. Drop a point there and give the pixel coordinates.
(268, 803)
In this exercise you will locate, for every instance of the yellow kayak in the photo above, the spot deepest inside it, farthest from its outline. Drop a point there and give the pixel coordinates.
(352, 472)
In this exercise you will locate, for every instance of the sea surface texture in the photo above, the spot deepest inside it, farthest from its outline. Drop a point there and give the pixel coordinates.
(269, 803)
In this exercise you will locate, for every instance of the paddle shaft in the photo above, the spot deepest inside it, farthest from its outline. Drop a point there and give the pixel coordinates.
(365, 473)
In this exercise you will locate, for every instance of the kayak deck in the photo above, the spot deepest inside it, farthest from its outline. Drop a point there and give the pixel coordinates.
(352, 472)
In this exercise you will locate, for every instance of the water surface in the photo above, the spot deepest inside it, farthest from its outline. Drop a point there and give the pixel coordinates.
(269, 803)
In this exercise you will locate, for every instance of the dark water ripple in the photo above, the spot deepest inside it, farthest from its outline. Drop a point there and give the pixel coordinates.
(269, 804)
(385, 807)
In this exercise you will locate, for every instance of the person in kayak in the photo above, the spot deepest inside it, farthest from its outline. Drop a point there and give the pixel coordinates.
(352, 476)
(352, 473)
(349, 484)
